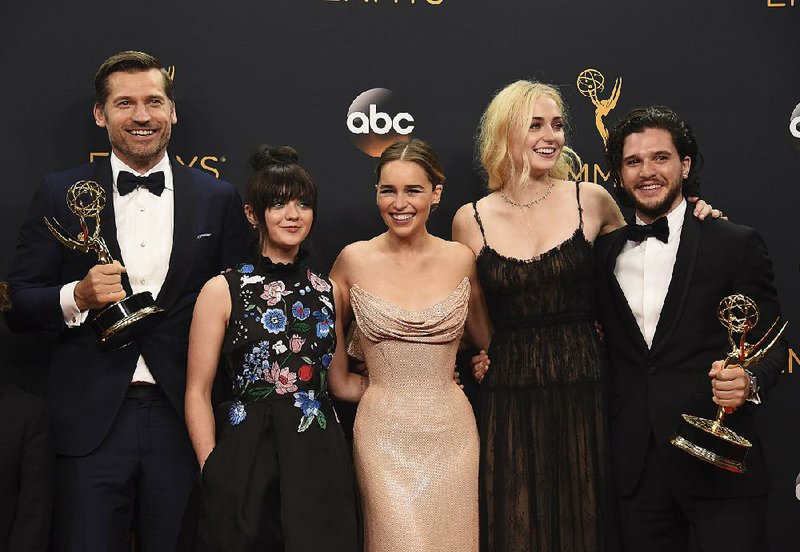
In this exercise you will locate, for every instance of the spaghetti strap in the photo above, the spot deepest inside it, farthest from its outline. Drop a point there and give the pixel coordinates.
(478, 219)
(580, 209)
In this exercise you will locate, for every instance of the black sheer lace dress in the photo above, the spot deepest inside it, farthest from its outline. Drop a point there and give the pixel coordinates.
(542, 424)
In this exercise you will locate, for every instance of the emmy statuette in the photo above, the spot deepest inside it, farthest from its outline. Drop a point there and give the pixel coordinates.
(119, 323)
(709, 440)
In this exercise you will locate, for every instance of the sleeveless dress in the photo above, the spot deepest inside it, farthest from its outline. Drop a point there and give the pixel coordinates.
(415, 439)
(280, 477)
(541, 404)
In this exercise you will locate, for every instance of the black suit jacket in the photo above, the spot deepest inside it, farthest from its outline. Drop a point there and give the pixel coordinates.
(87, 386)
(650, 389)
(26, 472)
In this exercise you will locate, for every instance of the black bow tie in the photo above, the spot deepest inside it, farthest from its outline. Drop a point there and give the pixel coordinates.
(127, 182)
(639, 232)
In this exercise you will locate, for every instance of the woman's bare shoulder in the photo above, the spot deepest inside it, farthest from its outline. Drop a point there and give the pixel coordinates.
(215, 298)
(357, 250)
(216, 286)
(595, 193)
(455, 254)
(351, 258)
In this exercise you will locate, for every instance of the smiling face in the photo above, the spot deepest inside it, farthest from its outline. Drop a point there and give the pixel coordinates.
(138, 116)
(544, 139)
(652, 172)
(404, 196)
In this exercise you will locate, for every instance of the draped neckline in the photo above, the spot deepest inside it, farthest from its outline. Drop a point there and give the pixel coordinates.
(440, 302)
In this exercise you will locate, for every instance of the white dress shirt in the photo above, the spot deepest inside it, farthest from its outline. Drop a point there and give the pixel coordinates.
(644, 272)
(144, 223)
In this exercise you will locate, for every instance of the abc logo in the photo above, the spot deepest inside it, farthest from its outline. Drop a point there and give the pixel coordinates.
(377, 119)
(794, 126)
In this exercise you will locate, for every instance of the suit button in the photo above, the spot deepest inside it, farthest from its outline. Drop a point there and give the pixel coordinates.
(652, 370)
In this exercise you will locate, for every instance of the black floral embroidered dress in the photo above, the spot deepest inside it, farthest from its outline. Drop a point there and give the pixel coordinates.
(280, 476)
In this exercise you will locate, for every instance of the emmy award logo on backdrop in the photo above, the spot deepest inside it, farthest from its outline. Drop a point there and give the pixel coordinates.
(709, 440)
(117, 324)
(590, 83)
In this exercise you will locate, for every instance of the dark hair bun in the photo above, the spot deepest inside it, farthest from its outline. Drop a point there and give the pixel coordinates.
(265, 156)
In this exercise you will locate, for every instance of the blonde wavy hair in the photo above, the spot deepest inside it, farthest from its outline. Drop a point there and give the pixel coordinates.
(509, 114)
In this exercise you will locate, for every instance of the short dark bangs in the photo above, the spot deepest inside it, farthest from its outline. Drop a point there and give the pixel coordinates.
(283, 184)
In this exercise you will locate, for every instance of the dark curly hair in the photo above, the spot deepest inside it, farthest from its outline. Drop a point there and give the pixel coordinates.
(657, 116)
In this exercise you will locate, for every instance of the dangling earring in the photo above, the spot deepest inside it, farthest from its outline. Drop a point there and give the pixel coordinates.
(434, 206)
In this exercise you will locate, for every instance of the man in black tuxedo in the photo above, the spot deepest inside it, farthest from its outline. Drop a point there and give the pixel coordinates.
(660, 280)
(117, 416)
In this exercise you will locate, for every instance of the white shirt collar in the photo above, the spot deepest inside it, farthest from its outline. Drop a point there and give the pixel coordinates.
(118, 165)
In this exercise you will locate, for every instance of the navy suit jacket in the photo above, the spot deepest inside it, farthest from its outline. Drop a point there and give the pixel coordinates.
(651, 388)
(87, 386)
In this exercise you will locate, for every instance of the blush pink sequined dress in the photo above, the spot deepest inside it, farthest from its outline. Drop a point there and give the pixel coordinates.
(415, 439)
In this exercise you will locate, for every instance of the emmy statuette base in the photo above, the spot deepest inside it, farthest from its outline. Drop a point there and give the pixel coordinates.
(712, 442)
(119, 324)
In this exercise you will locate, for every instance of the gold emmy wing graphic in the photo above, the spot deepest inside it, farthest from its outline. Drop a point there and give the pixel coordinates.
(117, 324)
(590, 83)
(709, 440)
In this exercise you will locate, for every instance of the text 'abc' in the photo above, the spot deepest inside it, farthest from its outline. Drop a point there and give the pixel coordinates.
(379, 122)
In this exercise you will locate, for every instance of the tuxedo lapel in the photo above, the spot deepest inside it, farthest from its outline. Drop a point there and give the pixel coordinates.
(183, 237)
(681, 278)
(624, 313)
(108, 222)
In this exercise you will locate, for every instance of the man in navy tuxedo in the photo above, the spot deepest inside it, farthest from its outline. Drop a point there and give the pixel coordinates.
(660, 280)
(117, 416)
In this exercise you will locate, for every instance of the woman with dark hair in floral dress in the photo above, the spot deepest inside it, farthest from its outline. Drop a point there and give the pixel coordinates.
(276, 473)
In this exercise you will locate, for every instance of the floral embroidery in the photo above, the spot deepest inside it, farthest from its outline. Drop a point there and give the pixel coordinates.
(296, 343)
(274, 320)
(252, 280)
(318, 283)
(310, 407)
(237, 413)
(254, 364)
(279, 348)
(274, 292)
(324, 299)
(295, 362)
(282, 378)
(324, 322)
(299, 311)
(305, 372)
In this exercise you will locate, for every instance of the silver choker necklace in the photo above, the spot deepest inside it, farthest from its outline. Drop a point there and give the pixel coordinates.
(532, 202)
